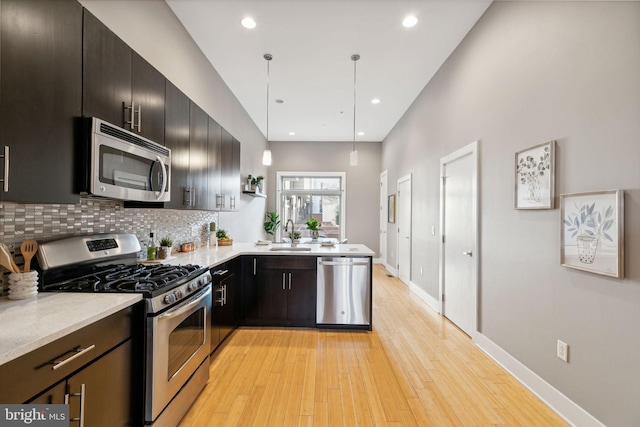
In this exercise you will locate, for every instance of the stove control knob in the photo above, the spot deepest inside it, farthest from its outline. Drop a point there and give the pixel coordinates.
(169, 299)
(178, 294)
(205, 279)
(193, 286)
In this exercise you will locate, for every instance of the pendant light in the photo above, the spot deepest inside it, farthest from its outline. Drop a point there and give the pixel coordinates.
(266, 154)
(353, 157)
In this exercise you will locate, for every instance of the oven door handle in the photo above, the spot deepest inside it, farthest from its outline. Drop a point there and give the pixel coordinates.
(177, 311)
(163, 188)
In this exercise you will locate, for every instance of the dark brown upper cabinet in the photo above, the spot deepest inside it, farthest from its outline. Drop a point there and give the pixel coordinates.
(177, 139)
(198, 157)
(119, 86)
(215, 162)
(40, 99)
(229, 172)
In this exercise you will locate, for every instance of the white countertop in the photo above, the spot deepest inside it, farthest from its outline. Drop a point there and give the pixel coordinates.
(26, 325)
(213, 256)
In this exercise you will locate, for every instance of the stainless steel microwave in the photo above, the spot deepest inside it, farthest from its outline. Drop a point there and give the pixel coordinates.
(126, 166)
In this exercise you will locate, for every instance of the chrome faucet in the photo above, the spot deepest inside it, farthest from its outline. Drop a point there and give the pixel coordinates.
(286, 229)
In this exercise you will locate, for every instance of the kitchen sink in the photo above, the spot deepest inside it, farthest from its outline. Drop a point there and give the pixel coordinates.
(289, 248)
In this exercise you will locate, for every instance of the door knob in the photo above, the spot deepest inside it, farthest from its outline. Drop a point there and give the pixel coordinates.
(469, 253)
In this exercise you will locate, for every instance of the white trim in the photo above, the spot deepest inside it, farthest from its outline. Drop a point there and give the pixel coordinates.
(561, 404)
(424, 296)
(472, 150)
(342, 193)
(400, 180)
(391, 270)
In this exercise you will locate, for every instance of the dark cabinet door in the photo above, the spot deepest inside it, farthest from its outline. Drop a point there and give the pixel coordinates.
(109, 400)
(272, 296)
(248, 310)
(177, 139)
(229, 320)
(41, 98)
(55, 395)
(226, 158)
(301, 298)
(106, 90)
(148, 95)
(215, 162)
(198, 156)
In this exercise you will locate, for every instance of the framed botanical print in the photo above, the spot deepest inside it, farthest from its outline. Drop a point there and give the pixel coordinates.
(592, 233)
(391, 205)
(535, 170)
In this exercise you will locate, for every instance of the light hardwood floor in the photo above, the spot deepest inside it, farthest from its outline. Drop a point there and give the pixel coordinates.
(415, 369)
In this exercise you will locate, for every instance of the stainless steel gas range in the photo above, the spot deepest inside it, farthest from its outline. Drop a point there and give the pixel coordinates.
(177, 313)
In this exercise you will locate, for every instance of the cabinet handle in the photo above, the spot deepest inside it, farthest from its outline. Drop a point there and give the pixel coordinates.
(224, 294)
(220, 272)
(255, 262)
(221, 299)
(232, 202)
(283, 281)
(139, 118)
(5, 179)
(131, 122)
(82, 395)
(163, 189)
(289, 280)
(57, 364)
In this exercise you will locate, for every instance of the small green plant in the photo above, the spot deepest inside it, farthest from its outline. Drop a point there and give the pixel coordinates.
(295, 235)
(166, 241)
(313, 224)
(272, 223)
(256, 180)
(221, 234)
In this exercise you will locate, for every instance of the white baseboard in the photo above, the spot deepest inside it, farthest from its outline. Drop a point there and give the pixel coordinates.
(390, 269)
(377, 261)
(428, 299)
(561, 404)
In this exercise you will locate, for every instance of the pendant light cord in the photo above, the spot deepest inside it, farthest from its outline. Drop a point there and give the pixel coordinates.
(268, 57)
(354, 58)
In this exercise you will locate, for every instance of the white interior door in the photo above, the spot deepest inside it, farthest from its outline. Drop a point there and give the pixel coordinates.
(384, 211)
(459, 252)
(403, 203)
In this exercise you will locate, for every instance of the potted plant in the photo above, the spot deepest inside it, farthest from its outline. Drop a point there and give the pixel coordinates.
(256, 183)
(295, 237)
(272, 223)
(588, 226)
(314, 227)
(165, 247)
(223, 238)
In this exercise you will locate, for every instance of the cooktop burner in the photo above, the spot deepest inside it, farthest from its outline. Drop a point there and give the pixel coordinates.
(129, 278)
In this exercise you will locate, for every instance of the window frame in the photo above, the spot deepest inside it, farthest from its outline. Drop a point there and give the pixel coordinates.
(342, 192)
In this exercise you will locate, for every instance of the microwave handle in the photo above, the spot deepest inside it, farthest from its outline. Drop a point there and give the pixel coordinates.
(160, 193)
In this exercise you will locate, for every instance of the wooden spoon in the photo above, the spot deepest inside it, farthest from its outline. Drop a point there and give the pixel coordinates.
(28, 249)
(6, 260)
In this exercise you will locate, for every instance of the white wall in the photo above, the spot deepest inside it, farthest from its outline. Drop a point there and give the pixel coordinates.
(527, 73)
(152, 30)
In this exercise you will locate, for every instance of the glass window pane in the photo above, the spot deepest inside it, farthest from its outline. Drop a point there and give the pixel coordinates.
(310, 183)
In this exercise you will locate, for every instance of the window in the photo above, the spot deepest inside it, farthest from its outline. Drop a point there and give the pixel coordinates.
(306, 195)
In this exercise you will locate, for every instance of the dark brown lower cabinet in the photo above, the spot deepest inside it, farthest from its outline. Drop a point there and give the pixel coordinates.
(105, 387)
(285, 290)
(99, 365)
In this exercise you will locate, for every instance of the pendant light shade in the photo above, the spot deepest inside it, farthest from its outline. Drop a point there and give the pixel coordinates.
(353, 156)
(266, 154)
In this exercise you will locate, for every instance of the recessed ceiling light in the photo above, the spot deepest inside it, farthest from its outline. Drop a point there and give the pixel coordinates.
(292, 133)
(409, 21)
(279, 101)
(248, 22)
(375, 101)
(360, 133)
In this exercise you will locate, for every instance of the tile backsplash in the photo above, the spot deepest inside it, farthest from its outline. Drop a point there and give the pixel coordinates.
(93, 216)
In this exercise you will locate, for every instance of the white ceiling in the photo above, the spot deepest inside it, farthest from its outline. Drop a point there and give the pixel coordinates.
(312, 72)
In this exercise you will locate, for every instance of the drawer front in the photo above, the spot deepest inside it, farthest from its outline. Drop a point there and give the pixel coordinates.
(287, 262)
(34, 372)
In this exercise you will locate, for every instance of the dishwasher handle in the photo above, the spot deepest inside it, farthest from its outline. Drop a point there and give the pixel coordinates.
(343, 263)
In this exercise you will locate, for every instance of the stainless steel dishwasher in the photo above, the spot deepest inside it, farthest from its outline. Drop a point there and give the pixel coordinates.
(344, 292)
